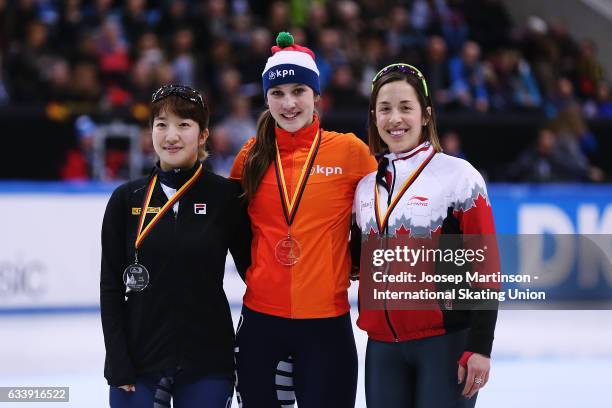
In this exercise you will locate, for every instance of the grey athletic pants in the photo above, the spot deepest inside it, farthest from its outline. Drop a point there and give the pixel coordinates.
(416, 374)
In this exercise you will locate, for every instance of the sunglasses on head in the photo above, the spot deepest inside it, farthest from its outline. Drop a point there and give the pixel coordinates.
(406, 69)
(182, 91)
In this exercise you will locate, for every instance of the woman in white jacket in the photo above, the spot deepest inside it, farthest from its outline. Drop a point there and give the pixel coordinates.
(436, 356)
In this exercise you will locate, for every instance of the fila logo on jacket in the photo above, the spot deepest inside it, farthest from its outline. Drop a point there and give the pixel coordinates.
(446, 185)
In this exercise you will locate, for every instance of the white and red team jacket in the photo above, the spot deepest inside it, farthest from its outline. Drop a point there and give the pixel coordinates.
(448, 196)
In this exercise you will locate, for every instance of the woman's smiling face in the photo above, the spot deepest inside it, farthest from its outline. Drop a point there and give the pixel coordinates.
(291, 105)
(399, 116)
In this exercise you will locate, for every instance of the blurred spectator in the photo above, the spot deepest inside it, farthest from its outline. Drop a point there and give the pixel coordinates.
(542, 51)
(278, 17)
(453, 26)
(562, 98)
(421, 15)
(144, 83)
(229, 89)
(222, 155)
(403, 40)
(435, 69)
(135, 19)
(95, 14)
(329, 55)
(149, 157)
(468, 87)
(240, 36)
(252, 61)
(372, 59)
(27, 63)
(342, 94)
(489, 23)
(78, 161)
(451, 144)
(4, 96)
(85, 49)
(601, 105)
(223, 58)
(184, 61)
(24, 12)
(513, 85)
(218, 24)
(4, 28)
(58, 76)
(239, 124)
(86, 86)
(174, 16)
(588, 69)
(318, 19)
(566, 47)
(575, 139)
(347, 14)
(112, 52)
(71, 22)
(545, 162)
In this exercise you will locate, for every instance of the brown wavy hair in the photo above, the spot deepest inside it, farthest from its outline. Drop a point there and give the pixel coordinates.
(260, 156)
(428, 132)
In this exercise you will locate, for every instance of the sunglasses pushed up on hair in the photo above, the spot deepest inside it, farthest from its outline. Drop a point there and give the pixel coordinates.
(182, 91)
(406, 69)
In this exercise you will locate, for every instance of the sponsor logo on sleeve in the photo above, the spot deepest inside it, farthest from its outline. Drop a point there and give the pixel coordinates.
(150, 210)
(199, 208)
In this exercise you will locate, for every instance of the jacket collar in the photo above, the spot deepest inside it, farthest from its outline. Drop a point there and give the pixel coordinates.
(175, 178)
(415, 154)
(289, 141)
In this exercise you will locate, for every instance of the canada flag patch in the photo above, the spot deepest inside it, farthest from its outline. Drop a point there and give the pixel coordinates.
(199, 208)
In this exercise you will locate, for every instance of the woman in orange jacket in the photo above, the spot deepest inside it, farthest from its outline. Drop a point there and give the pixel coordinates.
(295, 332)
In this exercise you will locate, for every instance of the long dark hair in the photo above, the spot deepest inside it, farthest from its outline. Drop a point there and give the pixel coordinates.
(429, 131)
(260, 155)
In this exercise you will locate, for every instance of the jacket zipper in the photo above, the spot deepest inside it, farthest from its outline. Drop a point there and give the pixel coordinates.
(177, 357)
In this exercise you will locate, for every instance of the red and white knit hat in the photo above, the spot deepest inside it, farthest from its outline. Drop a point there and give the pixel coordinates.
(290, 63)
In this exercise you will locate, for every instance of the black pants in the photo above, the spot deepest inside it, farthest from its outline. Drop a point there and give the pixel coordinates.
(416, 374)
(212, 391)
(279, 360)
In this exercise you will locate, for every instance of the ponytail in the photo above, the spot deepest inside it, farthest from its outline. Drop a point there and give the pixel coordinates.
(260, 155)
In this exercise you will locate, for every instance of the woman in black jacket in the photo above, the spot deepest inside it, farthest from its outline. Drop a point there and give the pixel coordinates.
(167, 325)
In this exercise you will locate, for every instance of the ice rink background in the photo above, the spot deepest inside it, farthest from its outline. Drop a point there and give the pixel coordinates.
(556, 359)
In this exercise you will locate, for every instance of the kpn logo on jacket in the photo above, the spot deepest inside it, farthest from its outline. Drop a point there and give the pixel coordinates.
(325, 170)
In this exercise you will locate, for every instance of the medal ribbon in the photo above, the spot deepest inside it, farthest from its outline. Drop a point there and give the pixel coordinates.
(140, 234)
(382, 222)
(290, 206)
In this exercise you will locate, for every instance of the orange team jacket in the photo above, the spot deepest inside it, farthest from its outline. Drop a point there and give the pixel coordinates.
(316, 286)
